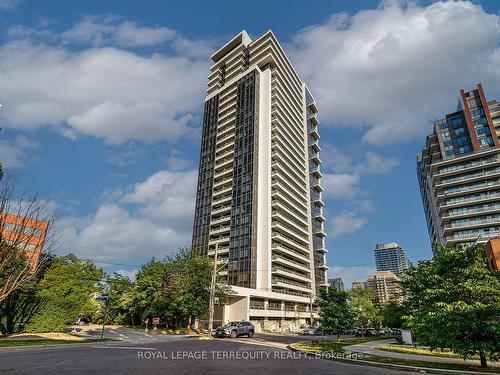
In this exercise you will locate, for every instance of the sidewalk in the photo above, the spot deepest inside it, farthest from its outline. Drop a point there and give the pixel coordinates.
(369, 348)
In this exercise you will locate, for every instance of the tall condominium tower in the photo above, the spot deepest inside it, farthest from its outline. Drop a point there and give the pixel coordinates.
(386, 287)
(336, 283)
(259, 183)
(391, 257)
(459, 172)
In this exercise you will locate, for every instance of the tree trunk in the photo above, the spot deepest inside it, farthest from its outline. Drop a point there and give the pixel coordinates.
(482, 357)
(189, 321)
(338, 336)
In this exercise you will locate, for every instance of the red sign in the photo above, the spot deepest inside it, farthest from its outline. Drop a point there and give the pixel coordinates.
(156, 321)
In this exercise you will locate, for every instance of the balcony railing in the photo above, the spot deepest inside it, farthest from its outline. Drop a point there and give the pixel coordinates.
(303, 255)
(276, 257)
(315, 196)
(470, 187)
(467, 211)
(276, 268)
(469, 164)
(467, 223)
(472, 198)
(470, 176)
(276, 280)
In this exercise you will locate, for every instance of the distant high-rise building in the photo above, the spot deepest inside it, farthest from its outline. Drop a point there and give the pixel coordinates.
(459, 172)
(259, 183)
(386, 287)
(359, 284)
(337, 283)
(391, 257)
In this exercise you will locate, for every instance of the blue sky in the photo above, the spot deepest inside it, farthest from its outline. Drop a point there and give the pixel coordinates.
(102, 101)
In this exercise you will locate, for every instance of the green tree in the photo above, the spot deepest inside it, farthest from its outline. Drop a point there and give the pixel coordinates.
(335, 312)
(453, 302)
(119, 308)
(150, 290)
(363, 303)
(22, 304)
(392, 315)
(176, 289)
(67, 291)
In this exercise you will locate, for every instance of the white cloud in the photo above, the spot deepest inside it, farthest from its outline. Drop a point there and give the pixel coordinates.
(346, 223)
(11, 156)
(375, 164)
(107, 92)
(99, 30)
(154, 218)
(13, 153)
(178, 161)
(356, 161)
(127, 157)
(8, 4)
(351, 274)
(340, 185)
(396, 68)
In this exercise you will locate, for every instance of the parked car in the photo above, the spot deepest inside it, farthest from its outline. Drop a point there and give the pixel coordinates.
(235, 329)
(385, 332)
(396, 331)
(365, 332)
(312, 331)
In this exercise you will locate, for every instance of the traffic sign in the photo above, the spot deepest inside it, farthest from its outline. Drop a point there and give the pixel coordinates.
(156, 321)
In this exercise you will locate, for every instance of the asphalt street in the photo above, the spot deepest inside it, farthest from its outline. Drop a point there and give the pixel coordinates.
(177, 356)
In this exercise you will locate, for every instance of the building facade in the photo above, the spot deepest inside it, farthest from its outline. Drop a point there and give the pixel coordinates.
(28, 235)
(492, 248)
(337, 283)
(359, 284)
(459, 172)
(386, 287)
(259, 185)
(391, 257)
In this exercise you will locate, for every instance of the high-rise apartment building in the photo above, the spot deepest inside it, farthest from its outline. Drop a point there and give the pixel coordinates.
(259, 184)
(336, 283)
(391, 257)
(386, 287)
(459, 172)
(359, 284)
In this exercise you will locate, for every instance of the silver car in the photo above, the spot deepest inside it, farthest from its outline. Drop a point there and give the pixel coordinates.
(235, 329)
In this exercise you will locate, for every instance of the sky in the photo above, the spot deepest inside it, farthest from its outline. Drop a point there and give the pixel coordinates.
(102, 104)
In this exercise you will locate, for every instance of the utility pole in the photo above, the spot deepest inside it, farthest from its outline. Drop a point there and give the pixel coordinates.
(212, 294)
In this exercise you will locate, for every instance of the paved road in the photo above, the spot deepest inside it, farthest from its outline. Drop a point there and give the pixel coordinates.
(225, 356)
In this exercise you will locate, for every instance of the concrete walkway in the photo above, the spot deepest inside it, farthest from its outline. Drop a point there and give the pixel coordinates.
(369, 348)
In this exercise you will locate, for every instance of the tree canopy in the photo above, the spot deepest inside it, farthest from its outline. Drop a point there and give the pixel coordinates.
(336, 314)
(453, 302)
(363, 302)
(66, 293)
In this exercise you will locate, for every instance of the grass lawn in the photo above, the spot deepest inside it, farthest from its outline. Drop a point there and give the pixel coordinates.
(447, 366)
(407, 349)
(318, 346)
(338, 347)
(8, 343)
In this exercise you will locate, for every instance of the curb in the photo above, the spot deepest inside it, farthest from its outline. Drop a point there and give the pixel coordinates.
(425, 370)
(51, 346)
